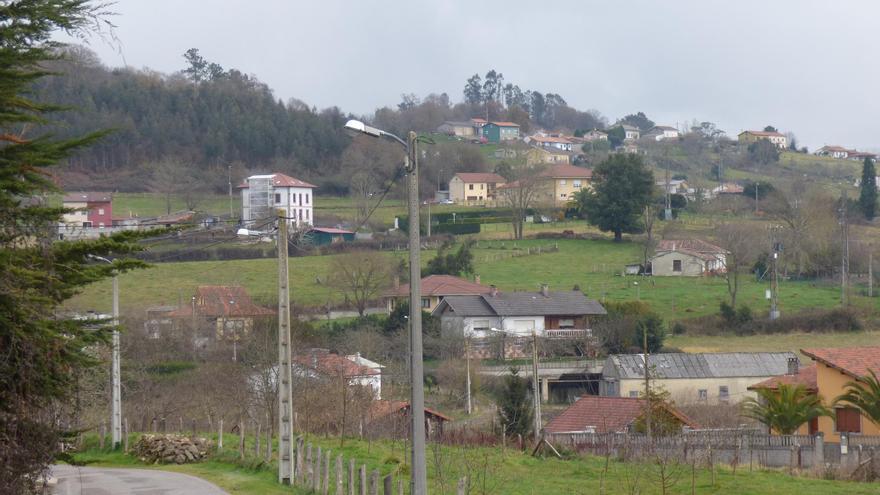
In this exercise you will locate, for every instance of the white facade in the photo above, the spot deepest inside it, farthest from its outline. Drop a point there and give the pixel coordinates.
(374, 380)
(486, 326)
(263, 195)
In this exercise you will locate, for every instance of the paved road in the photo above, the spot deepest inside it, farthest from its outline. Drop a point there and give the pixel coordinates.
(109, 481)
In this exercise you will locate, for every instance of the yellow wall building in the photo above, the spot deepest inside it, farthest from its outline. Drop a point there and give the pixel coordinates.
(474, 187)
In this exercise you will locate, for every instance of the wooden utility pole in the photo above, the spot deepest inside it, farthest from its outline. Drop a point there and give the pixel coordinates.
(285, 395)
(536, 383)
(870, 271)
(467, 357)
(844, 258)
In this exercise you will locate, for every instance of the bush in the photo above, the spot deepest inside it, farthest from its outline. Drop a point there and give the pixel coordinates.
(678, 328)
(456, 228)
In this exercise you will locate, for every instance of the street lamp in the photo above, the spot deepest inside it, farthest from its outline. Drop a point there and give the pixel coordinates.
(116, 387)
(418, 481)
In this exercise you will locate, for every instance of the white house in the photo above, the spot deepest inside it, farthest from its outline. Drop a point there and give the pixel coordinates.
(631, 133)
(263, 195)
(833, 151)
(554, 142)
(356, 370)
(661, 132)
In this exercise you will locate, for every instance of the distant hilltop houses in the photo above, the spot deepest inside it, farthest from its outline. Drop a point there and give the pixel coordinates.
(844, 153)
(776, 138)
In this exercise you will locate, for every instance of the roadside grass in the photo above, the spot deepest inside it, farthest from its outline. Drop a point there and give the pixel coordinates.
(773, 342)
(595, 266)
(494, 470)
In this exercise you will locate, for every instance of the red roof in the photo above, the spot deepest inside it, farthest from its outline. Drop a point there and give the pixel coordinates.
(504, 124)
(382, 408)
(729, 188)
(88, 197)
(566, 171)
(764, 133)
(693, 245)
(806, 376)
(280, 180)
(328, 363)
(222, 300)
(478, 121)
(468, 177)
(444, 285)
(604, 414)
(854, 361)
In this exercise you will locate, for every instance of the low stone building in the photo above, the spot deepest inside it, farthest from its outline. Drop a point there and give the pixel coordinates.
(688, 258)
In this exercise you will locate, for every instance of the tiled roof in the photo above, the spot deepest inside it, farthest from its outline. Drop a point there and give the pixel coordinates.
(602, 414)
(382, 408)
(703, 365)
(330, 230)
(550, 139)
(443, 285)
(478, 121)
(763, 133)
(695, 245)
(87, 197)
(222, 300)
(489, 177)
(466, 306)
(854, 361)
(806, 376)
(328, 363)
(279, 180)
(729, 188)
(566, 171)
(557, 303)
(504, 124)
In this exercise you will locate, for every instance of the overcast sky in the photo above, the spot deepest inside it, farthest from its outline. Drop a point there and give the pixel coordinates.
(805, 66)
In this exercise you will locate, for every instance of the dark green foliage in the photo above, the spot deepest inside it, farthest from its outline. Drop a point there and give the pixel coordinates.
(40, 354)
(764, 189)
(616, 135)
(868, 190)
(735, 318)
(864, 395)
(515, 405)
(456, 228)
(446, 263)
(651, 324)
(785, 409)
(763, 152)
(639, 120)
(770, 128)
(622, 331)
(622, 186)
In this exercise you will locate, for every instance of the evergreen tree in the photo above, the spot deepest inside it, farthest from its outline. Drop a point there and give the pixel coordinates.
(41, 354)
(515, 405)
(868, 191)
(622, 186)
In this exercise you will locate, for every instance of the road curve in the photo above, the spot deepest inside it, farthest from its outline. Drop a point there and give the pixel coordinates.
(74, 480)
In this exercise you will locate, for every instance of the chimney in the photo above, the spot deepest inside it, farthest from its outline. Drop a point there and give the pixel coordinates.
(545, 290)
(792, 366)
(493, 291)
(476, 279)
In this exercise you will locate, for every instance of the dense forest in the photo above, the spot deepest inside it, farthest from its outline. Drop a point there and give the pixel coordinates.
(203, 119)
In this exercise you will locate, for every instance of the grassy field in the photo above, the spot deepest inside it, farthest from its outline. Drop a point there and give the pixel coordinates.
(776, 342)
(593, 265)
(495, 470)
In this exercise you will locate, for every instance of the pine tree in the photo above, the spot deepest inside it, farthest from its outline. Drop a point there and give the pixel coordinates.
(868, 192)
(40, 352)
(514, 406)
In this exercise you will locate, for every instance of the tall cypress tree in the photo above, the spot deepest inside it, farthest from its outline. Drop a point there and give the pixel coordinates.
(41, 352)
(868, 192)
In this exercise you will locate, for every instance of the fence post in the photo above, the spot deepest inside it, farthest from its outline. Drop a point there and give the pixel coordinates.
(326, 486)
(339, 487)
(241, 439)
(399, 486)
(180, 421)
(317, 476)
(462, 486)
(351, 479)
(307, 472)
(792, 458)
(101, 434)
(125, 436)
(363, 477)
(193, 427)
(819, 450)
(388, 485)
(374, 482)
(269, 441)
(220, 435)
(300, 472)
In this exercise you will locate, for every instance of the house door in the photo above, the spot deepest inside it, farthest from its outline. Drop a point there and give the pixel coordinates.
(814, 426)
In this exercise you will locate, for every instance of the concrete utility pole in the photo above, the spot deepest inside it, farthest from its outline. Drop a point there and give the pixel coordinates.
(116, 407)
(648, 410)
(774, 280)
(285, 395)
(536, 383)
(667, 213)
(870, 271)
(844, 258)
(429, 218)
(229, 179)
(467, 357)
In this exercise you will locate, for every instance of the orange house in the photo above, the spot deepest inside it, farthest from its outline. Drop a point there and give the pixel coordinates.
(834, 368)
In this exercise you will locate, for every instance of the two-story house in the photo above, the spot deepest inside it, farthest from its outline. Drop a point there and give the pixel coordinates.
(833, 152)
(631, 132)
(219, 312)
(564, 181)
(93, 209)
(596, 135)
(661, 132)
(496, 132)
(537, 155)
(777, 138)
(465, 187)
(263, 195)
(556, 142)
(434, 288)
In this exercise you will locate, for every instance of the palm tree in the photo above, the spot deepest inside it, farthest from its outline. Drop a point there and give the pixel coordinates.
(786, 408)
(864, 395)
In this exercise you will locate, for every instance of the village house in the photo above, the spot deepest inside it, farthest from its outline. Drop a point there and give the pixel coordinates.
(474, 187)
(777, 138)
(556, 142)
(94, 209)
(484, 318)
(565, 181)
(227, 310)
(458, 129)
(496, 132)
(661, 132)
(597, 414)
(704, 378)
(263, 195)
(797, 375)
(833, 152)
(537, 156)
(859, 156)
(434, 288)
(631, 133)
(596, 135)
(834, 368)
(356, 370)
(687, 258)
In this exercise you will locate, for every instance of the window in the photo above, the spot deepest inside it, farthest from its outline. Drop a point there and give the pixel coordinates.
(100, 211)
(426, 302)
(300, 198)
(277, 198)
(470, 187)
(702, 394)
(307, 198)
(848, 420)
(307, 214)
(300, 214)
(562, 182)
(676, 265)
(566, 323)
(634, 393)
(723, 393)
(292, 198)
(576, 184)
(481, 325)
(482, 186)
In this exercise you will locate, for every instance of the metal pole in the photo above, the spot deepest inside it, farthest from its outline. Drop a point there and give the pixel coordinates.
(429, 218)
(419, 481)
(285, 395)
(536, 388)
(467, 355)
(647, 386)
(844, 262)
(870, 271)
(229, 179)
(116, 413)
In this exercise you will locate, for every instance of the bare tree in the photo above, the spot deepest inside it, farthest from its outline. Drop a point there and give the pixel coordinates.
(520, 195)
(361, 276)
(361, 187)
(175, 180)
(741, 244)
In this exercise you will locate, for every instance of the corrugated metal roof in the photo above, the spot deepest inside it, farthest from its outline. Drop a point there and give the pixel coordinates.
(563, 303)
(706, 365)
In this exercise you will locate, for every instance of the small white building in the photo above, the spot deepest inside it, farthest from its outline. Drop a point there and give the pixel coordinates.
(661, 132)
(263, 195)
(356, 370)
